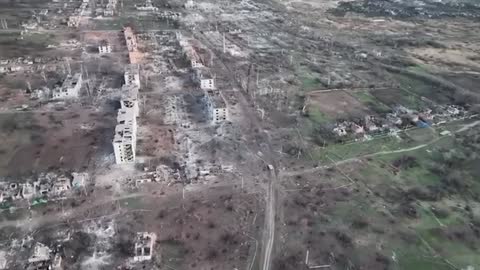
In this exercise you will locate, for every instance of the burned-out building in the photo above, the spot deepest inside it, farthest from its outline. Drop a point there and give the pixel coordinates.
(76, 17)
(61, 185)
(129, 98)
(216, 106)
(125, 139)
(130, 39)
(134, 55)
(104, 47)
(110, 8)
(204, 79)
(41, 258)
(144, 246)
(197, 56)
(132, 75)
(45, 186)
(70, 88)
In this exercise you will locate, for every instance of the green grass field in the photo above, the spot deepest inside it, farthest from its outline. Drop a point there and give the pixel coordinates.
(436, 247)
(371, 102)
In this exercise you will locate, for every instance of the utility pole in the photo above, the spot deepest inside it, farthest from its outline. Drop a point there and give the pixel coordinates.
(69, 69)
(43, 74)
(87, 79)
(144, 101)
(86, 73)
(3, 22)
(224, 49)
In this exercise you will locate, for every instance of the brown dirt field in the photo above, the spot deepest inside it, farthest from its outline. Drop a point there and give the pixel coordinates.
(206, 230)
(446, 57)
(338, 104)
(12, 98)
(155, 141)
(43, 141)
(338, 223)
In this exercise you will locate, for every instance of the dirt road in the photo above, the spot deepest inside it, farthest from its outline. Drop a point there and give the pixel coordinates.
(269, 225)
(38, 221)
(258, 145)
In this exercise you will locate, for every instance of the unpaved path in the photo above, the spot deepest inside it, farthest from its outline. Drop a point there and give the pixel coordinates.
(269, 226)
(263, 145)
(37, 221)
(359, 158)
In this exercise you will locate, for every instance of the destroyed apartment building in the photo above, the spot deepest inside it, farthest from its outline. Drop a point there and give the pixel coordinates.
(132, 75)
(110, 8)
(75, 18)
(193, 52)
(215, 102)
(144, 246)
(104, 47)
(70, 88)
(204, 78)
(201, 74)
(130, 39)
(194, 58)
(125, 139)
(129, 98)
(216, 106)
(43, 258)
(45, 186)
(134, 54)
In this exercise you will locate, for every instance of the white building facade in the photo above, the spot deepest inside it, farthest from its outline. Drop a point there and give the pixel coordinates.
(125, 139)
(104, 48)
(132, 75)
(207, 84)
(70, 88)
(216, 107)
